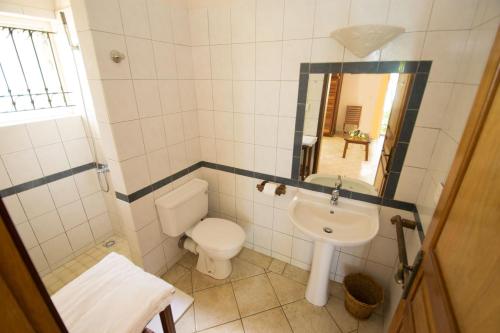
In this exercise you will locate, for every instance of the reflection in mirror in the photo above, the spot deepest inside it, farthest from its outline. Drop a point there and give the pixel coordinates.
(351, 126)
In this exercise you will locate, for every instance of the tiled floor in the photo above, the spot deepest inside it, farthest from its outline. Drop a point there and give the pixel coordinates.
(261, 295)
(354, 164)
(61, 276)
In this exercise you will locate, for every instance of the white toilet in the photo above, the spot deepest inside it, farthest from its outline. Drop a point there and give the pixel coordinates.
(183, 210)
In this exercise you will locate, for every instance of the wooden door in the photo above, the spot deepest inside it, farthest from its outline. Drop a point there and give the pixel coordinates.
(396, 116)
(332, 105)
(457, 287)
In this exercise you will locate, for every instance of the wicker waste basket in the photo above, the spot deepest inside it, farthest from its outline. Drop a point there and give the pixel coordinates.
(362, 295)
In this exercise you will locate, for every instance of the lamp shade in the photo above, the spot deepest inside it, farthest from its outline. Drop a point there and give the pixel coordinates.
(362, 40)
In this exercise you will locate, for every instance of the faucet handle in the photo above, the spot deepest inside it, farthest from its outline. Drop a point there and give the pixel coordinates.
(338, 183)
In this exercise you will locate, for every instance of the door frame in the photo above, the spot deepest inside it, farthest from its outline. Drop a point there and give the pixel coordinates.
(481, 107)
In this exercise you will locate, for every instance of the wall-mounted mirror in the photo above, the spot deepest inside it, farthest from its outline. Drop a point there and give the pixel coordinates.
(354, 125)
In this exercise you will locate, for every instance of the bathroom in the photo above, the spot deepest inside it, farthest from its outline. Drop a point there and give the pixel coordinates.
(136, 100)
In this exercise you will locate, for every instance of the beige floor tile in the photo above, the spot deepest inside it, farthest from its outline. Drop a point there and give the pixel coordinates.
(374, 324)
(232, 327)
(271, 321)
(344, 319)
(277, 266)
(185, 324)
(287, 290)
(255, 258)
(214, 306)
(254, 294)
(49, 279)
(336, 289)
(175, 273)
(185, 283)
(307, 318)
(188, 260)
(243, 269)
(296, 274)
(202, 281)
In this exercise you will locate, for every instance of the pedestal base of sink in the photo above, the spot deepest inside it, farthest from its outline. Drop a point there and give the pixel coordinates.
(317, 286)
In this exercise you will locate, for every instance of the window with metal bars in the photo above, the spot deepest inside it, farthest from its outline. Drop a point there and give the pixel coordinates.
(30, 77)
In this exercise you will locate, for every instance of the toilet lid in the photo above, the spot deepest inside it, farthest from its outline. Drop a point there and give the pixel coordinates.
(218, 234)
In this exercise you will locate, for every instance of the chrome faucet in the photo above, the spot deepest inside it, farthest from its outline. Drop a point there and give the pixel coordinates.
(336, 191)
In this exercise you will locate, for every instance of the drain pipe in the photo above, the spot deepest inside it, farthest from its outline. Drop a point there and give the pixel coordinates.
(187, 243)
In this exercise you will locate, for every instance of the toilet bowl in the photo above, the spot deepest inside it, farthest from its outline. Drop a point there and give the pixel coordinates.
(215, 240)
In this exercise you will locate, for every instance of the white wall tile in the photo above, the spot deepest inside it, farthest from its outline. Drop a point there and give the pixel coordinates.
(70, 128)
(282, 244)
(169, 96)
(135, 18)
(221, 60)
(244, 211)
(22, 166)
(330, 15)
(153, 133)
(43, 133)
(36, 201)
(227, 182)
(27, 236)
(100, 226)
(227, 205)
(180, 24)
(57, 249)
(244, 127)
(177, 157)
(267, 97)
(421, 146)
(14, 208)
(413, 16)
(52, 158)
(140, 53)
(78, 152)
(184, 62)
(288, 98)
(86, 182)
(38, 259)
(368, 12)
(302, 251)
(457, 112)
(128, 139)
(269, 20)
(150, 236)
(243, 96)
(72, 215)
(225, 152)
(409, 184)
(13, 139)
(190, 124)
(284, 162)
(266, 130)
(4, 177)
(407, 46)
(201, 62)
(219, 19)
(187, 95)
(158, 164)
(173, 124)
(452, 15)
(94, 205)
(282, 222)
(294, 53)
(243, 21)
(159, 20)
(383, 251)
(243, 59)
(222, 95)
(446, 49)
(262, 237)
(204, 96)
(198, 23)
(298, 19)
(268, 60)
(349, 264)
(263, 215)
(47, 226)
(434, 104)
(164, 56)
(80, 237)
(244, 156)
(98, 15)
(326, 50)
(154, 261)
(265, 159)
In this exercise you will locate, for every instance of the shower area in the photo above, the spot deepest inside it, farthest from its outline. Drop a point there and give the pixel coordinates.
(54, 178)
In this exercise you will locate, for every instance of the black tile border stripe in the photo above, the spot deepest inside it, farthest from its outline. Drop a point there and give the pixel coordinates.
(45, 180)
(257, 175)
(419, 68)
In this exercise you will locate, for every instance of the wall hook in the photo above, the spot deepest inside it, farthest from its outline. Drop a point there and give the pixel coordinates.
(117, 56)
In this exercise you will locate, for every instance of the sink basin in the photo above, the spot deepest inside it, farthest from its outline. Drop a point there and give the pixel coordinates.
(349, 223)
(352, 223)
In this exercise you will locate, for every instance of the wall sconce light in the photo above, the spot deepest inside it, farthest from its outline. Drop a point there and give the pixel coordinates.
(362, 40)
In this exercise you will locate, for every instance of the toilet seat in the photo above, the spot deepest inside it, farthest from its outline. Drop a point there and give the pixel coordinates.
(218, 235)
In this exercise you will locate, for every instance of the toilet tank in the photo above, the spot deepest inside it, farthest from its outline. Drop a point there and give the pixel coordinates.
(183, 207)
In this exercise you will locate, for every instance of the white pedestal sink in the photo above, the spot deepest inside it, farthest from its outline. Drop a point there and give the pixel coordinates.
(352, 223)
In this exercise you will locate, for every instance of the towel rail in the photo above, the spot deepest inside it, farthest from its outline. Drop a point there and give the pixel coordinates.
(403, 274)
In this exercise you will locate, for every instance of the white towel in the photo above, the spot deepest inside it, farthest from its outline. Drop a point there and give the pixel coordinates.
(114, 296)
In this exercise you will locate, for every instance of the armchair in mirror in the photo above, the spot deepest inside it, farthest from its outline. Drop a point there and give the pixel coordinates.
(352, 126)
